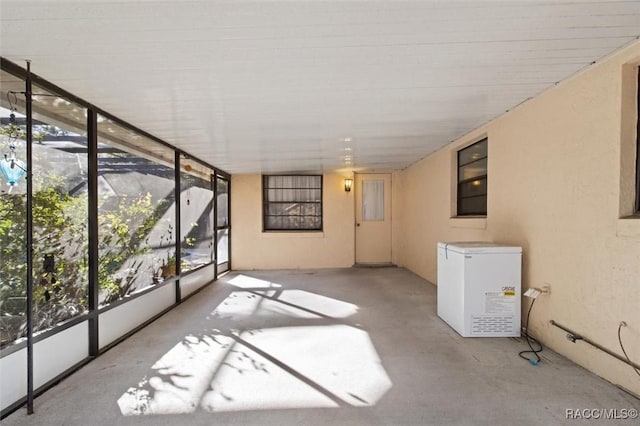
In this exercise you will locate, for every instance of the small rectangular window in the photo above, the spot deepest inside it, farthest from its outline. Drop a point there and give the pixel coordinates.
(292, 203)
(373, 200)
(472, 179)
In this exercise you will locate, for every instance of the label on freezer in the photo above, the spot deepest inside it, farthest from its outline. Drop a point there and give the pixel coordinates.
(500, 302)
(508, 290)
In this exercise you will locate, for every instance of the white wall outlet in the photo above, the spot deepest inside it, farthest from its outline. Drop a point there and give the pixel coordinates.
(532, 293)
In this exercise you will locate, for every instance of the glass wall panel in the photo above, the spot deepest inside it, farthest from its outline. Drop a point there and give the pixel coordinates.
(223, 245)
(196, 214)
(223, 223)
(60, 234)
(222, 191)
(136, 212)
(13, 266)
(136, 219)
(60, 209)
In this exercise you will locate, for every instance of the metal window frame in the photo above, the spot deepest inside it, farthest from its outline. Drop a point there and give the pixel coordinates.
(214, 187)
(459, 197)
(266, 203)
(222, 267)
(214, 206)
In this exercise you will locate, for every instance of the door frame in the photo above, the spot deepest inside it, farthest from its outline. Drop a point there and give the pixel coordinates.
(388, 191)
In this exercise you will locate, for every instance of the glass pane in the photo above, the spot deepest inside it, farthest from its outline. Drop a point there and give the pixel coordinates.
(196, 214)
(295, 221)
(292, 194)
(60, 209)
(472, 153)
(60, 234)
(372, 200)
(473, 206)
(13, 267)
(313, 222)
(473, 188)
(223, 245)
(222, 201)
(136, 211)
(301, 222)
(293, 209)
(478, 168)
(294, 182)
(275, 209)
(271, 222)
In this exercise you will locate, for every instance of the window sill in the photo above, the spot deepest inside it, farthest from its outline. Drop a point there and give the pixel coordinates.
(470, 222)
(629, 227)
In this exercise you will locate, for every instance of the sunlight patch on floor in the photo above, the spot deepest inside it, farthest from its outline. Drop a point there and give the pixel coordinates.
(241, 304)
(230, 369)
(244, 281)
(323, 305)
(290, 303)
(178, 379)
(316, 366)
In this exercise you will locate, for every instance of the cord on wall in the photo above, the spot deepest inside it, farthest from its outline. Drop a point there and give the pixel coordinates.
(624, 324)
(574, 337)
(530, 339)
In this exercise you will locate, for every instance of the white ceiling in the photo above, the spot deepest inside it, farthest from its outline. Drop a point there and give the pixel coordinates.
(311, 86)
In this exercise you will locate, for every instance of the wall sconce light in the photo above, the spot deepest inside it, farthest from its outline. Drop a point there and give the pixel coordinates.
(348, 183)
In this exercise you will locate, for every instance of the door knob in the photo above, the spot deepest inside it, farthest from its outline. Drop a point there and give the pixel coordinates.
(357, 224)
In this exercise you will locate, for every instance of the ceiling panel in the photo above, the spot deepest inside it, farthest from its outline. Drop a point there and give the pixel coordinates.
(311, 86)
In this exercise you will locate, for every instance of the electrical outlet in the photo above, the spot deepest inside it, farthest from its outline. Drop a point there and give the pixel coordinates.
(546, 289)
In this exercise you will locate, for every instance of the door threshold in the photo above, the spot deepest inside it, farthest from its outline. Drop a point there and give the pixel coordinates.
(374, 265)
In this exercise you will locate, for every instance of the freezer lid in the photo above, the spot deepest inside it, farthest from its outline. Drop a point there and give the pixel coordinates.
(478, 247)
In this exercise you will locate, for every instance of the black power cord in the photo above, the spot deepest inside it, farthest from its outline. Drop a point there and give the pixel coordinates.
(624, 324)
(530, 339)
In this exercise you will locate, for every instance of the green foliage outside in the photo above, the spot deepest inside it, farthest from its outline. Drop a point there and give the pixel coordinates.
(60, 230)
(123, 237)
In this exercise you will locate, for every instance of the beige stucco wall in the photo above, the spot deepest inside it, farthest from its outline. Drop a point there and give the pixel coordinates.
(254, 249)
(396, 218)
(555, 188)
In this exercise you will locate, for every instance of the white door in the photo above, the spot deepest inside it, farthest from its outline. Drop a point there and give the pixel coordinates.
(373, 218)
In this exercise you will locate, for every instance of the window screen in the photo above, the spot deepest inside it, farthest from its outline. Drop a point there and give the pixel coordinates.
(292, 202)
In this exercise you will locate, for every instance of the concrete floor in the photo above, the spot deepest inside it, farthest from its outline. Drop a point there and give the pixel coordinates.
(360, 346)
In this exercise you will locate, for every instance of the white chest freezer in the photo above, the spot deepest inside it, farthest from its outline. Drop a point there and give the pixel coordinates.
(479, 288)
